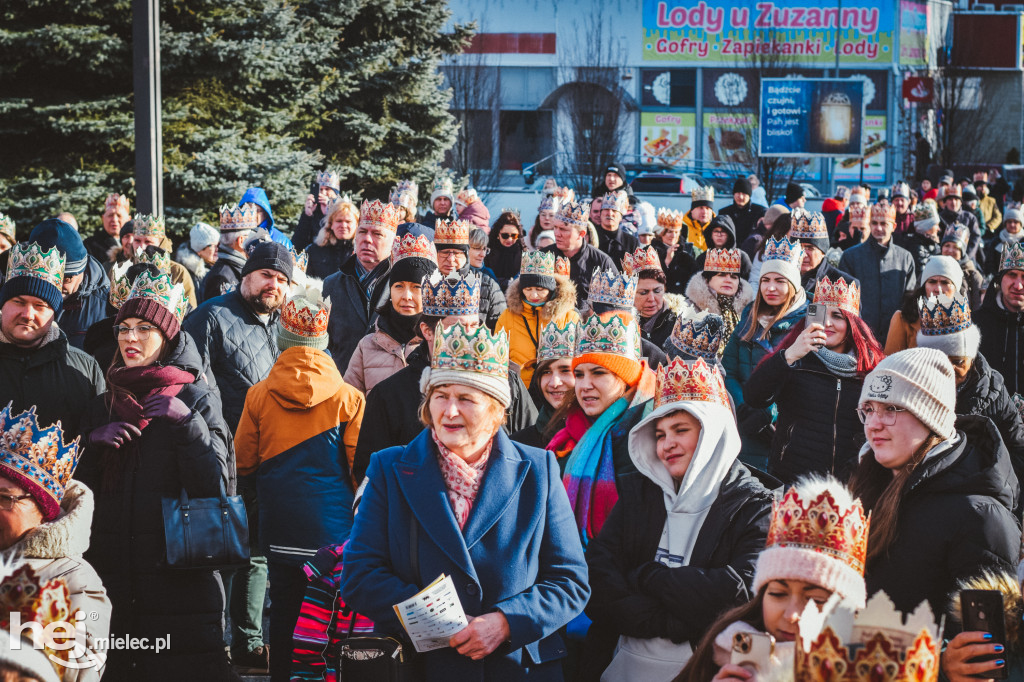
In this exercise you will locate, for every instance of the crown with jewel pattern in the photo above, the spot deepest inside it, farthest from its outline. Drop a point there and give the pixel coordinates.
(807, 225)
(574, 214)
(538, 263)
(451, 295)
(667, 218)
(375, 214)
(238, 218)
(300, 258)
(6, 226)
(29, 260)
(162, 291)
(146, 225)
(618, 335)
(405, 194)
(562, 266)
(784, 250)
(452, 232)
(329, 179)
(644, 258)
(549, 203)
(443, 185)
(723, 260)
(941, 315)
(682, 381)
(478, 351)
(117, 202)
(700, 335)
(557, 342)
(876, 643)
(615, 201)
(858, 215)
(413, 246)
(159, 258)
(1012, 257)
(706, 193)
(36, 456)
(120, 287)
(957, 233)
(306, 317)
(838, 294)
(614, 289)
(883, 210)
(1018, 402)
(46, 602)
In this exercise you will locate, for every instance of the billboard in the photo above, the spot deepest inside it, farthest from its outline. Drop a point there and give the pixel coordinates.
(913, 33)
(811, 117)
(667, 137)
(798, 32)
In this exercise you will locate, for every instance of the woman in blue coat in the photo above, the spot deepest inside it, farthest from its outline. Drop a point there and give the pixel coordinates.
(471, 504)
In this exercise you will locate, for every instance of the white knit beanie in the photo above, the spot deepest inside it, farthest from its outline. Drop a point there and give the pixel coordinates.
(946, 326)
(943, 266)
(202, 235)
(921, 381)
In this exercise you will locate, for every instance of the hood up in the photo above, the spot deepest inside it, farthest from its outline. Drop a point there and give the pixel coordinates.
(302, 378)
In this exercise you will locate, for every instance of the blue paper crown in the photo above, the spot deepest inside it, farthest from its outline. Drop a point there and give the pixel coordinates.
(614, 289)
(35, 452)
(784, 250)
(452, 295)
(942, 315)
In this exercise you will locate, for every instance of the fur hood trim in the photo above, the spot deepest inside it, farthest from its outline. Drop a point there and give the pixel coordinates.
(1013, 604)
(563, 302)
(700, 294)
(678, 304)
(68, 534)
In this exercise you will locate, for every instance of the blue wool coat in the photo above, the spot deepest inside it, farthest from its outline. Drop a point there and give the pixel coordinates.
(519, 553)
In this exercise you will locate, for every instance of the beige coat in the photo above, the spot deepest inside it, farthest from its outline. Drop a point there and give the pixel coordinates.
(377, 357)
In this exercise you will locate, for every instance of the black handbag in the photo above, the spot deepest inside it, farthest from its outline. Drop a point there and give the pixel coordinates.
(206, 532)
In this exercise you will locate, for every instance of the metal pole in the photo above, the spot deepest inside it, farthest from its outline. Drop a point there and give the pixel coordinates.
(146, 86)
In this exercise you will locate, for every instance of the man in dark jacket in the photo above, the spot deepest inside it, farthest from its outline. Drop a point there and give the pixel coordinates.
(451, 239)
(329, 186)
(951, 200)
(236, 337)
(611, 239)
(442, 203)
(38, 368)
(225, 275)
(570, 242)
(811, 230)
(1001, 320)
(924, 238)
(614, 180)
(116, 213)
(744, 215)
(885, 271)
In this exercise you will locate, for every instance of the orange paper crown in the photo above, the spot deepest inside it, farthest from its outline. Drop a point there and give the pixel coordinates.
(644, 258)
(669, 218)
(723, 260)
(375, 214)
(117, 201)
(413, 246)
(451, 232)
(306, 318)
(561, 266)
(883, 211)
(681, 381)
(838, 294)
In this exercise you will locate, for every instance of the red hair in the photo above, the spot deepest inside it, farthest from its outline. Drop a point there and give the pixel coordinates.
(865, 346)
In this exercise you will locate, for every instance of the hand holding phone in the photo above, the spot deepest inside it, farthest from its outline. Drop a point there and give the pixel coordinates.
(753, 651)
(982, 611)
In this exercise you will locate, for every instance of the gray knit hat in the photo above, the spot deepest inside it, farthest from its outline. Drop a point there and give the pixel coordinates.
(921, 381)
(943, 266)
(202, 235)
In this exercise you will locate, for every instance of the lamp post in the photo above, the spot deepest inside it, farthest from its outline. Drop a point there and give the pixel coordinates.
(146, 86)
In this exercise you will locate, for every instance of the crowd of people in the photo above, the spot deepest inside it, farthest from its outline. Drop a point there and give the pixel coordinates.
(627, 435)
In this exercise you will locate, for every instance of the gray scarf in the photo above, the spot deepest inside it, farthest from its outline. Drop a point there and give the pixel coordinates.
(841, 364)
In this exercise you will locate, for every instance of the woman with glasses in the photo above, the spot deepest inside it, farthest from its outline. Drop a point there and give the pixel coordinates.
(505, 247)
(478, 252)
(939, 487)
(156, 431)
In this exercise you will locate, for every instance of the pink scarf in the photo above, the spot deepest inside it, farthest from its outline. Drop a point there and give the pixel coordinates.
(461, 478)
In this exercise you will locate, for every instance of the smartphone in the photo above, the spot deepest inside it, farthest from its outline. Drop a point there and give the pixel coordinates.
(753, 651)
(816, 314)
(983, 612)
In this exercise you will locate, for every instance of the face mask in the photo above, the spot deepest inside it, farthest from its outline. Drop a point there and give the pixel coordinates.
(530, 303)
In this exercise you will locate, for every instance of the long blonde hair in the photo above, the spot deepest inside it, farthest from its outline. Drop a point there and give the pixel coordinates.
(759, 308)
(326, 235)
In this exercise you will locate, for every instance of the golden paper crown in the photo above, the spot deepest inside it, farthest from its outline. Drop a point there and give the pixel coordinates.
(1012, 257)
(467, 196)
(706, 193)
(858, 215)
(574, 214)
(644, 258)
(306, 317)
(667, 218)
(838, 294)
(238, 218)
(538, 263)
(883, 211)
(160, 289)
(120, 287)
(29, 450)
(443, 185)
(557, 342)
(455, 232)
(808, 225)
(564, 194)
(954, 190)
(146, 225)
(618, 335)
(7, 226)
(614, 289)
(374, 214)
(723, 260)
(562, 266)
(159, 258)
(117, 202)
(942, 315)
(785, 250)
(615, 201)
(413, 246)
(29, 260)
(478, 351)
(46, 602)
(405, 194)
(822, 526)
(696, 381)
(451, 295)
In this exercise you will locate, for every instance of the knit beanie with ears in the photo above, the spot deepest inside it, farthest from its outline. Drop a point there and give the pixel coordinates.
(921, 381)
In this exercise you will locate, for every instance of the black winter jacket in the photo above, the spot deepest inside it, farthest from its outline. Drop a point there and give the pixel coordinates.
(236, 347)
(225, 275)
(616, 244)
(100, 341)
(811, 278)
(307, 228)
(582, 267)
(326, 260)
(744, 218)
(1002, 338)
(954, 521)
(662, 329)
(352, 311)
(127, 547)
(817, 430)
(634, 595)
(922, 248)
(984, 393)
(86, 306)
(967, 218)
(680, 270)
(492, 298)
(99, 246)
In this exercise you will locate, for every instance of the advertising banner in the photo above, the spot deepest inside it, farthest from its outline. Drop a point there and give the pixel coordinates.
(913, 33)
(667, 137)
(730, 138)
(848, 169)
(811, 117)
(799, 32)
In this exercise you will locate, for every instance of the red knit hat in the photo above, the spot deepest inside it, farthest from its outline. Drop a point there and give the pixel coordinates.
(156, 299)
(149, 310)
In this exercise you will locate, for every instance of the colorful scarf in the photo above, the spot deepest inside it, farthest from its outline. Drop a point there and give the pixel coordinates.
(565, 440)
(461, 479)
(590, 474)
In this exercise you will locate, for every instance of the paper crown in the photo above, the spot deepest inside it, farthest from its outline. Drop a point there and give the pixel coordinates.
(159, 258)
(46, 602)
(953, 190)
(614, 289)
(858, 215)
(375, 214)
(615, 201)
(723, 260)
(901, 189)
(116, 201)
(557, 342)
(413, 246)
(957, 232)
(329, 179)
(35, 453)
(146, 225)
(838, 294)
(1012, 257)
(883, 211)
(538, 263)
(706, 193)
(549, 203)
(1018, 402)
(300, 258)
(160, 290)
(784, 250)
(942, 315)
(619, 335)
(514, 211)
(875, 644)
(443, 185)
(6, 225)
(405, 194)
(120, 287)
(238, 218)
(667, 218)
(452, 295)
(925, 211)
(467, 197)
(562, 266)
(807, 225)
(478, 351)
(644, 258)
(574, 214)
(564, 194)
(452, 232)
(701, 335)
(29, 260)
(305, 317)
(696, 381)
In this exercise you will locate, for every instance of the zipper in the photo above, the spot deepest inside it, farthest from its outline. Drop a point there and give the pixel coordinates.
(789, 439)
(835, 423)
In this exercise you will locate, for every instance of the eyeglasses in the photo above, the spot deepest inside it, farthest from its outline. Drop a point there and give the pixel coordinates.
(887, 415)
(508, 236)
(141, 332)
(7, 502)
